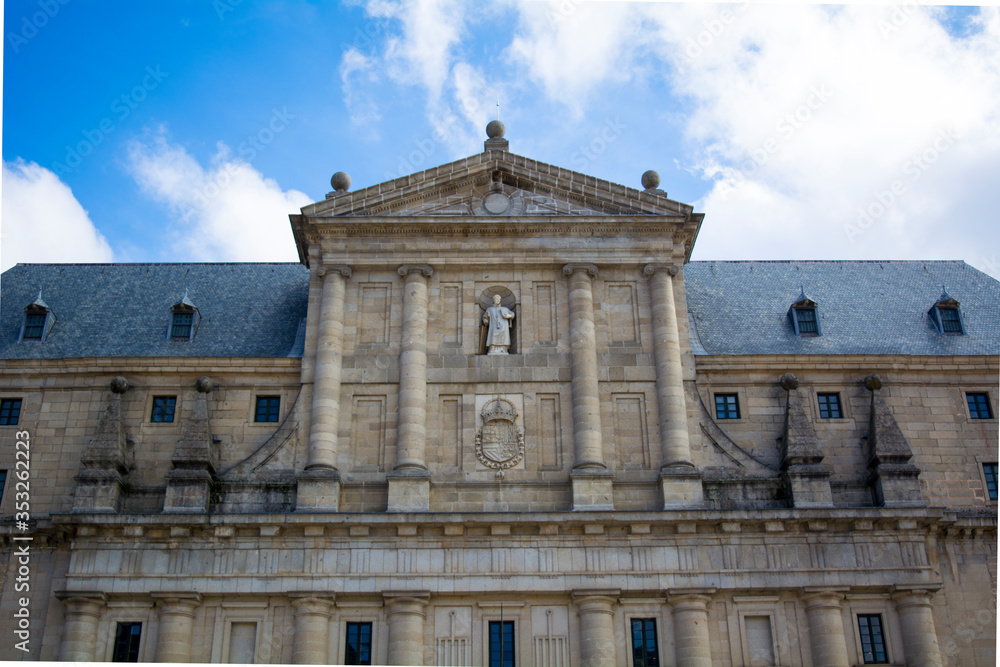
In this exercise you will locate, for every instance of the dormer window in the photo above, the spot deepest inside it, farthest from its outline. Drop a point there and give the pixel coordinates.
(38, 320)
(804, 314)
(946, 315)
(183, 320)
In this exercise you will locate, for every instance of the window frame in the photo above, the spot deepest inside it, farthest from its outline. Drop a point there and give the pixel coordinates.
(153, 406)
(28, 316)
(985, 478)
(181, 312)
(937, 319)
(371, 641)
(839, 403)
(861, 638)
(503, 624)
(118, 625)
(726, 394)
(656, 643)
(257, 411)
(991, 413)
(20, 409)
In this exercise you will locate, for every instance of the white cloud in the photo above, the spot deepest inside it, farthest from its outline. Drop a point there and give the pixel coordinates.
(225, 212)
(43, 222)
(356, 70)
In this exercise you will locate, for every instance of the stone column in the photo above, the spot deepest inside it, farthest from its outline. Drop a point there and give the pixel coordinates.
(679, 479)
(916, 621)
(319, 485)
(312, 630)
(81, 613)
(692, 645)
(595, 610)
(405, 613)
(591, 480)
(176, 620)
(826, 628)
(409, 481)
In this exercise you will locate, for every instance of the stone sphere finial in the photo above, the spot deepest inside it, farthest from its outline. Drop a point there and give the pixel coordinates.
(119, 385)
(650, 180)
(788, 382)
(495, 129)
(341, 182)
(204, 384)
(872, 382)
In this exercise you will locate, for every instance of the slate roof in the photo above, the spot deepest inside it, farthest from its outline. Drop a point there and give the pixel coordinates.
(864, 307)
(258, 310)
(123, 310)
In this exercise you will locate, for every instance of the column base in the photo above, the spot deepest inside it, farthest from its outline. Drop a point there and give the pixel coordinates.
(318, 490)
(188, 491)
(681, 488)
(593, 489)
(409, 491)
(98, 491)
(896, 485)
(809, 485)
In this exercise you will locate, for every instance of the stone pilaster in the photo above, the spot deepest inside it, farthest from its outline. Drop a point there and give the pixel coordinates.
(679, 479)
(81, 613)
(826, 628)
(176, 621)
(189, 484)
(319, 484)
(105, 465)
(596, 611)
(312, 629)
(692, 644)
(894, 480)
(405, 613)
(806, 477)
(590, 479)
(409, 481)
(916, 622)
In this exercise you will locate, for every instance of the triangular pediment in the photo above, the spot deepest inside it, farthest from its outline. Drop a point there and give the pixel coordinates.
(497, 184)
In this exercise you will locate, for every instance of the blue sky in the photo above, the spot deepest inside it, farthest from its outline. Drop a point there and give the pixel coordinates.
(188, 131)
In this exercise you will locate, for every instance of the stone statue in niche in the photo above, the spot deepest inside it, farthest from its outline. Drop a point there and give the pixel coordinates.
(496, 318)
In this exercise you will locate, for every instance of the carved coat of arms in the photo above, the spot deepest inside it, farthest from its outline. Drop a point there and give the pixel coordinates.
(499, 442)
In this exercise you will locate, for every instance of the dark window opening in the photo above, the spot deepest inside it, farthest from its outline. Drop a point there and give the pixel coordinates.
(34, 326)
(359, 644)
(644, 649)
(10, 411)
(990, 473)
(872, 640)
(979, 405)
(163, 409)
(180, 326)
(950, 322)
(829, 406)
(127, 642)
(727, 406)
(267, 409)
(501, 644)
(806, 317)
(3, 482)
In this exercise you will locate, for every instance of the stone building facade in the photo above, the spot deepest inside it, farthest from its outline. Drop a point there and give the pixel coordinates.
(666, 462)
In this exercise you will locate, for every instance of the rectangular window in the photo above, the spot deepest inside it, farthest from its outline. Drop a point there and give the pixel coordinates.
(34, 326)
(267, 409)
(10, 411)
(829, 406)
(727, 406)
(979, 405)
(501, 643)
(359, 644)
(644, 649)
(949, 320)
(163, 409)
(989, 473)
(872, 640)
(806, 317)
(127, 642)
(3, 481)
(180, 326)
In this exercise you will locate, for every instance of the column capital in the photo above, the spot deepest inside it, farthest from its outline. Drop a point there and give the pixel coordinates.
(572, 268)
(407, 269)
(311, 604)
(406, 602)
(595, 601)
(815, 596)
(690, 598)
(654, 267)
(341, 269)
(177, 603)
(83, 602)
(913, 596)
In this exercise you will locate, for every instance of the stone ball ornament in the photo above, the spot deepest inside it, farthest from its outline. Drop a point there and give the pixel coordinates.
(872, 382)
(788, 382)
(495, 129)
(650, 180)
(119, 385)
(204, 384)
(341, 182)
